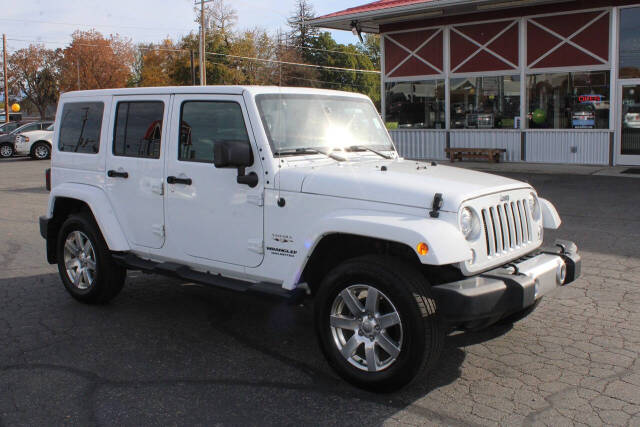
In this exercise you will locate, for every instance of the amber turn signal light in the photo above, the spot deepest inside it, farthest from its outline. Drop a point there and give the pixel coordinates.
(422, 248)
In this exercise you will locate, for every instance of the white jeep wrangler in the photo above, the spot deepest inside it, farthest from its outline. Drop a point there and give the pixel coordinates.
(295, 192)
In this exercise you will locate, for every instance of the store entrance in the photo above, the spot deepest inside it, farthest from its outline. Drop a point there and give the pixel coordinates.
(629, 148)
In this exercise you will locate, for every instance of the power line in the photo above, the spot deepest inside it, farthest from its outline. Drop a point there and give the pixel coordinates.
(273, 61)
(131, 27)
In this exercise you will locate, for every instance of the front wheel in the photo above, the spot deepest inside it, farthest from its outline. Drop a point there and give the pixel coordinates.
(41, 151)
(6, 150)
(377, 323)
(84, 262)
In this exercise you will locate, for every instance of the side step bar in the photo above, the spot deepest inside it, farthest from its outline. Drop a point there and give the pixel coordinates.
(180, 271)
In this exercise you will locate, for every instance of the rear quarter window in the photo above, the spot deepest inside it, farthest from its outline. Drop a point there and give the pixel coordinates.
(80, 127)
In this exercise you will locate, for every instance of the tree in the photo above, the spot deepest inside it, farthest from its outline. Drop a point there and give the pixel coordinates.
(157, 63)
(221, 18)
(33, 72)
(92, 61)
(302, 34)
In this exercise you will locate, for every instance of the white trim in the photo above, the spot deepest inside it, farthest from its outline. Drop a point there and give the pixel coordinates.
(568, 12)
(413, 52)
(484, 46)
(486, 74)
(415, 78)
(523, 72)
(383, 88)
(446, 61)
(567, 40)
(613, 59)
(413, 30)
(575, 69)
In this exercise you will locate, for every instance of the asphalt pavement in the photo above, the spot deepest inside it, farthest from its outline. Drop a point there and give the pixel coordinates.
(173, 353)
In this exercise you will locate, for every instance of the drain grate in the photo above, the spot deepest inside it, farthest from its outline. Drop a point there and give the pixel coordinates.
(633, 171)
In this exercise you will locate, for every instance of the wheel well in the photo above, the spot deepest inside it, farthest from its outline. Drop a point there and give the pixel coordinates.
(62, 208)
(333, 249)
(40, 141)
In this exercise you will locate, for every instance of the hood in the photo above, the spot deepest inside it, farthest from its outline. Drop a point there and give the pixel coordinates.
(404, 182)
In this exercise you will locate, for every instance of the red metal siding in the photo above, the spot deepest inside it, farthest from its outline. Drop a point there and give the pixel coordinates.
(399, 62)
(560, 38)
(495, 47)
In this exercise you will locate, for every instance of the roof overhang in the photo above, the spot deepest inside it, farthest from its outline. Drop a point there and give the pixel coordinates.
(371, 20)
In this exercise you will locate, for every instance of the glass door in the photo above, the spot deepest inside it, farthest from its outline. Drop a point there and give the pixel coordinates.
(629, 152)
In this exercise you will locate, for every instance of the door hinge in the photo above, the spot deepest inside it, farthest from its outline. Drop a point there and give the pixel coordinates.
(255, 199)
(158, 229)
(158, 189)
(256, 245)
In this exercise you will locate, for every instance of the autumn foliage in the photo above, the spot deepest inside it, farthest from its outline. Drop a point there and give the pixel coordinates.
(92, 61)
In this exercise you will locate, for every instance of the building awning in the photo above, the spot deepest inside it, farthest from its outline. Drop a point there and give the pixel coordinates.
(370, 16)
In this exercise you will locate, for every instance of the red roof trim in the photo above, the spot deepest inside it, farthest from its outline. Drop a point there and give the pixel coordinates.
(376, 5)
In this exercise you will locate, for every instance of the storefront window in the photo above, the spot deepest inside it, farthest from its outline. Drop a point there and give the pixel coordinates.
(568, 100)
(415, 105)
(630, 43)
(485, 102)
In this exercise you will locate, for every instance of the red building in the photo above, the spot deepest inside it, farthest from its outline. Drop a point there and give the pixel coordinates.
(550, 81)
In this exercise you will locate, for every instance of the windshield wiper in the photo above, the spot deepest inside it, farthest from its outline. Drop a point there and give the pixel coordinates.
(307, 150)
(364, 147)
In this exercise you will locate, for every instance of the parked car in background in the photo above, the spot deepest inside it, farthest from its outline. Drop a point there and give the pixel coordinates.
(583, 116)
(9, 127)
(631, 117)
(7, 141)
(36, 143)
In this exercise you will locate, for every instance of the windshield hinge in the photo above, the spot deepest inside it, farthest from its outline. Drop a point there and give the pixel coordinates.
(256, 245)
(255, 199)
(158, 229)
(436, 205)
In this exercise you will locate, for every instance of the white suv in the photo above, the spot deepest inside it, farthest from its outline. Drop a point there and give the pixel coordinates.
(295, 193)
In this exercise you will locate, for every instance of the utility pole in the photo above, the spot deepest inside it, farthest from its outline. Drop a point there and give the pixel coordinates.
(193, 69)
(78, 72)
(203, 70)
(6, 79)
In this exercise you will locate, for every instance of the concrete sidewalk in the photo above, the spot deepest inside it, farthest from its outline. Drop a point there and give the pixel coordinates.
(545, 168)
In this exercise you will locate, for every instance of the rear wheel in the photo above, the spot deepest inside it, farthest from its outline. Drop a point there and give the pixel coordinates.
(6, 150)
(84, 262)
(41, 151)
(377, 323)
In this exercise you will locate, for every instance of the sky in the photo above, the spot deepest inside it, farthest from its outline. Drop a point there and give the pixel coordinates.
(53, 21)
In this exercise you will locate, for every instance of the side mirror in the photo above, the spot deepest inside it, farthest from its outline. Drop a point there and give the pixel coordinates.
(232, 154)
(235, 154)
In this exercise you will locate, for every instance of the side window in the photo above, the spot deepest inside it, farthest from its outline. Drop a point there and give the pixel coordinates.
(29, 128)
(138, 129)
(80, 127)
(204, 122)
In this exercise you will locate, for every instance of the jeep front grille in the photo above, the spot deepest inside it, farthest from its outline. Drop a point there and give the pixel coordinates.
(507, 227)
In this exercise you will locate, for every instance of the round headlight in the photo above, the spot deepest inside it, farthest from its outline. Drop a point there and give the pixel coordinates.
(469, 223)
(534, 206)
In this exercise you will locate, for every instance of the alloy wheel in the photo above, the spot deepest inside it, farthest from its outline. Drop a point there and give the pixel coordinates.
(80, 260)
(366, 328)
(41, 152)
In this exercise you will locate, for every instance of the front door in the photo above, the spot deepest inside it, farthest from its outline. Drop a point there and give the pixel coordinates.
(135, 166)
(629, 147)
(209, 215)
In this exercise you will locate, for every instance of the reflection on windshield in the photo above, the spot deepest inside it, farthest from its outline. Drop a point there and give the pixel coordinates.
(295, 121)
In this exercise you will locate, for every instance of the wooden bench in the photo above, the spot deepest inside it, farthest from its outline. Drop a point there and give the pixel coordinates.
(490, 154)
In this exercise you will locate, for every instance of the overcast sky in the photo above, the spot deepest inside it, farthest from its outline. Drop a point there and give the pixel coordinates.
(52, 21)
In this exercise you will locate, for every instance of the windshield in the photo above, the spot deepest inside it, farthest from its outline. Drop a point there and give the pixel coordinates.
(297, 122)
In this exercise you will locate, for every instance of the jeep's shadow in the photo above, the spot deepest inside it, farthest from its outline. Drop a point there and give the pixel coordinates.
(171, 352)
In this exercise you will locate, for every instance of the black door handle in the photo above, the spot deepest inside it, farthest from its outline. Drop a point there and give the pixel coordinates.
(176, 180)
(116, 174)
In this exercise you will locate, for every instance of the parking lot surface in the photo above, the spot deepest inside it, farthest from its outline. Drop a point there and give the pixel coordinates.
(168, 352)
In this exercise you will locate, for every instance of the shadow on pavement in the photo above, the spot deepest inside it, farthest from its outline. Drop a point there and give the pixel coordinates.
(171, 352)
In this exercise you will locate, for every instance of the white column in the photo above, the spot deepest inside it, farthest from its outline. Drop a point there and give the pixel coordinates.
(447, 70)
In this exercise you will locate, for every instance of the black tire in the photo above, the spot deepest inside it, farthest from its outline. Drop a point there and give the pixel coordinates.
(6, 150)
(408, 291)
(108, 277)
(38, 150)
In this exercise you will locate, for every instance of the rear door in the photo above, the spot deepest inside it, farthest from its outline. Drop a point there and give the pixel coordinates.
(135, 166)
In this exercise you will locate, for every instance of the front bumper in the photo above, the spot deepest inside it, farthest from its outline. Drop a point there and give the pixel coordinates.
(510, 288)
